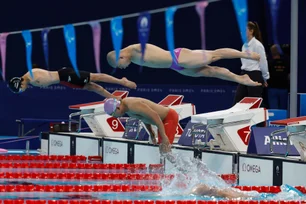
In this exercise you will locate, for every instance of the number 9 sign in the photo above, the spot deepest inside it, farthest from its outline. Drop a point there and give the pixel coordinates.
(115, 124)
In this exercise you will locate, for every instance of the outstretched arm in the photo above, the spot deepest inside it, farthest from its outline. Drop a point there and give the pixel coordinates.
(151, 132)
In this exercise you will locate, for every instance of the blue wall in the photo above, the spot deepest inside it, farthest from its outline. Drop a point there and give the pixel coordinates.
(221, 31)
(53, 102)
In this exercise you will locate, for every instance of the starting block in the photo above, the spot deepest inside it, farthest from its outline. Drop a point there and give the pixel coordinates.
(184, 110)
(296, 133)
(231, 128)
(100, 123)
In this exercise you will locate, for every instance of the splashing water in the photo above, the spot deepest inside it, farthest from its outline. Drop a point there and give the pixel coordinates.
(190, 172)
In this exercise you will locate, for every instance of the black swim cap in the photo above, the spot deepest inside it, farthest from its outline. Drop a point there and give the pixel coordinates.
(15, 84)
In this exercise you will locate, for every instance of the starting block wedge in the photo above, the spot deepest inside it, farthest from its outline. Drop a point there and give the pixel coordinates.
(231, 128)
(184, 110)
(100, 123)
(296, 133)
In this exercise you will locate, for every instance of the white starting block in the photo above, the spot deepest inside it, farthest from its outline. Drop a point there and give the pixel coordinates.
(100, 123)
(231, 128)
(296, 132)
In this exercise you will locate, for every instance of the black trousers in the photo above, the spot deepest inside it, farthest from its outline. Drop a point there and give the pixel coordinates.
(251, 91)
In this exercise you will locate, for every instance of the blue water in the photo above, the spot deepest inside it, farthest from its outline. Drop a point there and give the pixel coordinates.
(55, 182)
(287, 194)
(188, 171)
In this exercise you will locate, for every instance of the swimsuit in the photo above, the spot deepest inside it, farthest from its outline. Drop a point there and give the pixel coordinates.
(174, 64)
(69, 78)
(170, 124)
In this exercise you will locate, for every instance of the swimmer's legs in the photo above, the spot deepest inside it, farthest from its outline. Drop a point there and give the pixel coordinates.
(100, 77)
(199, 58)
(91, 86)
(228, 53)
(225, 74)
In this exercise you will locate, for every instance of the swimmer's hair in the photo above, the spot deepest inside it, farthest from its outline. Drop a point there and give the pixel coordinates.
(256, 31)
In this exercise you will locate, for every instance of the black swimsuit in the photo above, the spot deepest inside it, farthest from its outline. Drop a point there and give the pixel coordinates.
(68, 77)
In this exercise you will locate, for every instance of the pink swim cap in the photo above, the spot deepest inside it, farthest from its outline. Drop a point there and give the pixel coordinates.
(110, 105)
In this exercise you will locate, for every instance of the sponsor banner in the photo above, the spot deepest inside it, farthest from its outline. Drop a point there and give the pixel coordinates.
(219, 163)
(87, 146)
(134, 126)
(115, 152)
(260, 142)
(59, 145)
(199, 134)
(255, 172)
(294, 173)
(146, 154)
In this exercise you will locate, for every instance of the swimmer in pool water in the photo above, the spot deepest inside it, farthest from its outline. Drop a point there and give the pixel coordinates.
(230, 193)
(68, 77)
(188, 62)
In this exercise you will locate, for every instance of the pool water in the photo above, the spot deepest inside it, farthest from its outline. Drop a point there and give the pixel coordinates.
(285, 195)
(188, 171)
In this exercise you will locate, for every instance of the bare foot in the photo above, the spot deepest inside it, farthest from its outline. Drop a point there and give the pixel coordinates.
(252, 55)
(245, 80)
(128, 83)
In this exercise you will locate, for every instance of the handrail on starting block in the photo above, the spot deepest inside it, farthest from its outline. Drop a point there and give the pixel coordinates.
(88, 111)
(293, 127)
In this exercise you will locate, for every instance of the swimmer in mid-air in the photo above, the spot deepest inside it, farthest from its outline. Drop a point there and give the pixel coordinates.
(188, 62)
(150, 113)
(68, 77)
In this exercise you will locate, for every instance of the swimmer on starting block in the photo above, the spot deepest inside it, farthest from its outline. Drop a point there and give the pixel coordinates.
(68, 77)
(150, 113)
(189, 62)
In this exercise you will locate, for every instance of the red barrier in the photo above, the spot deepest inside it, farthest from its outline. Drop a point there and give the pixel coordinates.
(79, 188)
(7, 201)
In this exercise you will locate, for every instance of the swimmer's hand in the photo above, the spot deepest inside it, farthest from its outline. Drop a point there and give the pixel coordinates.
(165, 146)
